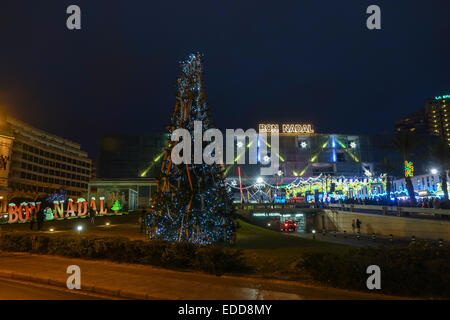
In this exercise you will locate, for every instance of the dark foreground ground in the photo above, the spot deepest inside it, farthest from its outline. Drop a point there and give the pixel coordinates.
(146, 282)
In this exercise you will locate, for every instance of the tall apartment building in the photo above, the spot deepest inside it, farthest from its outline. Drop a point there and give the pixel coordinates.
(438, 116)
(35, 163)
(433, 119)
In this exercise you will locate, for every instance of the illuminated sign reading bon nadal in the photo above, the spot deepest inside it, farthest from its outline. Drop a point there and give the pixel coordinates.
(24, 211)
(286, 128)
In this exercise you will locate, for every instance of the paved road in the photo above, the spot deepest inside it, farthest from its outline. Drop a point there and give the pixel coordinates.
(160, 283)
(19, 290)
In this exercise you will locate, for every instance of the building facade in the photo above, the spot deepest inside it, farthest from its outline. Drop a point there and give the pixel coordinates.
(125, 156)
(416, 122)
(429, 184)
(302, 153)
(37, 163)
(132, 194)
(432, 120)
(438, 116)
(310, 154)
(127, 167)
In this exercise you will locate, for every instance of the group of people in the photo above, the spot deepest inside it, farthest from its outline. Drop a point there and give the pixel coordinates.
(430, 202)
(435, 203)
(38, 218)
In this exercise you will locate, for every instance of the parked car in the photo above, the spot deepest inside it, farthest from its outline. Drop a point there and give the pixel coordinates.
(289, 226)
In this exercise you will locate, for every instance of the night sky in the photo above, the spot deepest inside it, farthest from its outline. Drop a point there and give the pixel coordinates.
(265, 61)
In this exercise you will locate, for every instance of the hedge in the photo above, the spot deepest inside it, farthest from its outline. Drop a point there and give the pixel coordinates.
(415, 271)
(211, 259)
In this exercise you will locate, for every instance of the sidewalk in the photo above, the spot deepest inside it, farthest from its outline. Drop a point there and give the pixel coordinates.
(365, 240)
(146, 282)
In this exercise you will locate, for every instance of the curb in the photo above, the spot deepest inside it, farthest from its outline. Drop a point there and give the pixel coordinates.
(113, 292)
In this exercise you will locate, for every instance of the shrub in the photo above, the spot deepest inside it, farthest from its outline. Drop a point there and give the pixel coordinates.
(212, 259)
(413, 271)
(179, 255)
(218, 260)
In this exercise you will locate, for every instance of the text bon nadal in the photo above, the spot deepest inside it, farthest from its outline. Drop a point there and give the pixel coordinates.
(24, 212)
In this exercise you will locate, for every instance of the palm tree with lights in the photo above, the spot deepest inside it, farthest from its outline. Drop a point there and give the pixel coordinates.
(405, 142)
(387, 167)
(440, 153)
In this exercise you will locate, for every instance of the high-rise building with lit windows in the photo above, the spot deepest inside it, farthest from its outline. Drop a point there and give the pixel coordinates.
(438, 116)
(433, 119)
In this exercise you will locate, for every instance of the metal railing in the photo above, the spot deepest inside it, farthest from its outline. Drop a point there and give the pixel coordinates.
(399, 211)
(262, 206)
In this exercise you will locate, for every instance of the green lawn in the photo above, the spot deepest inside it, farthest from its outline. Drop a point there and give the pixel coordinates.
(274, 254)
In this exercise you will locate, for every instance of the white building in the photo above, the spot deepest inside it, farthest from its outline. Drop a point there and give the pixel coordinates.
(424, 185)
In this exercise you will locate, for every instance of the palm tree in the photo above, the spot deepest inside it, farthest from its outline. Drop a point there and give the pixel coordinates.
(387, 167)
(440, 153)
(405, 142)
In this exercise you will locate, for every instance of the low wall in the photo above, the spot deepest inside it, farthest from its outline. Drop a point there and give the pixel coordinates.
(384, 225)
(66, 224)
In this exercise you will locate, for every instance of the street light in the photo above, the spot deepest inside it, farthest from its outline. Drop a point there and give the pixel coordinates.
(434, 171)
(259, 180)
(79, 228)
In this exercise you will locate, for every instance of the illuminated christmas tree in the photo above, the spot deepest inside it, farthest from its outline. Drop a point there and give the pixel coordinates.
(116, 206)
(192, 203)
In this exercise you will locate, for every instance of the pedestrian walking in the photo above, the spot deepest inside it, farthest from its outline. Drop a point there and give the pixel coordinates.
(141, 228)
(33, 218)
(234, 229)
(358, 225)
(92, 214)
(353, 225)
(40, 218)
(143, 221)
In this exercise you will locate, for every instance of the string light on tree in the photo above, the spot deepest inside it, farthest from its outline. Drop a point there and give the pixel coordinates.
(192, 202)
(409, 169)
